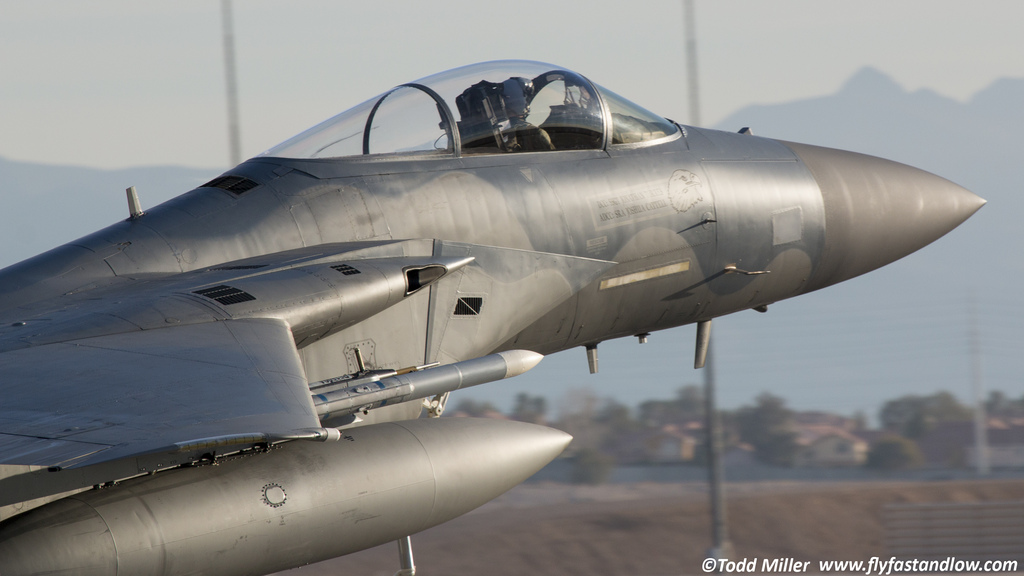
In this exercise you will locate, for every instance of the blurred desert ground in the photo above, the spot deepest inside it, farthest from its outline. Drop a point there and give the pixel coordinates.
(659, 529)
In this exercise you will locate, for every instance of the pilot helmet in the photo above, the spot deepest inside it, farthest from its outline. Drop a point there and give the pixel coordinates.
(517, 94)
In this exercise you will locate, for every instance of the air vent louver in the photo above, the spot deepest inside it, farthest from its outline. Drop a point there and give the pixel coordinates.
(468, 306)
(235, 184)
(226, 295)
(346, 269)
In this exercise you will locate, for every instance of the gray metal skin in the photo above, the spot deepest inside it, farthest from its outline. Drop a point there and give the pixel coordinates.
(567, 248)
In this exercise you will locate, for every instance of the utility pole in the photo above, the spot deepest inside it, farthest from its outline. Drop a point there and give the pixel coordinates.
(234, 139)
(981, 456)
(690, 33)
(721, 548)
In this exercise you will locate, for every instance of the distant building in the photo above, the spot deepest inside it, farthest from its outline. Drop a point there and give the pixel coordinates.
(945, 444)
(668, 445)
(671, 446)
(1005, 446)
(999, 456)
(826, 446)
(951, 444)
(740, 456)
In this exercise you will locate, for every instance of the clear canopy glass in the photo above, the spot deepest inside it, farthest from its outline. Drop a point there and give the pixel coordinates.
(488, 108)
(632, 124)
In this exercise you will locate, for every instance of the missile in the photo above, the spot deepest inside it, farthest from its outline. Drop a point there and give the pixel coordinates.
(299, 503)
(375, 391)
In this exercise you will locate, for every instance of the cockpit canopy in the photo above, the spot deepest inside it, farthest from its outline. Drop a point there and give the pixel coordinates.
(489, 108)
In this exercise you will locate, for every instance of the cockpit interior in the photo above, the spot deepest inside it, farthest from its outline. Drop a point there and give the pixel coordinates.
(490, 108)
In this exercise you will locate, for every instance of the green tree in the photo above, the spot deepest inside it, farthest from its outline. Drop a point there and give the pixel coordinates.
(769, 428)
(999, 404)
(688, 405)
(616, 418)
(594, 422)
(913, 416)
(474, 408)
(532, 409)
(919, 424)
(860, 420)
(578, 417)
(894, 453)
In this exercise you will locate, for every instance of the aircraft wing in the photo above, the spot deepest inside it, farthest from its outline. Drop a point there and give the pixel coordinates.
(156, 372)
(97, 399)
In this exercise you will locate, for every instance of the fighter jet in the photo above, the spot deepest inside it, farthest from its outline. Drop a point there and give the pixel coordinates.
(232, 382)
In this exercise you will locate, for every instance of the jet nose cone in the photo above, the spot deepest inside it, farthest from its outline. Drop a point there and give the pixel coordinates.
(878, 211)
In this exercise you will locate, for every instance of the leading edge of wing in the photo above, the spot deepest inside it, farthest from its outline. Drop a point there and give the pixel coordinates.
(98, 399)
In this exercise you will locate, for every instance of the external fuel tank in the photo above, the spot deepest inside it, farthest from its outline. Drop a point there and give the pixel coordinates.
(299, 503)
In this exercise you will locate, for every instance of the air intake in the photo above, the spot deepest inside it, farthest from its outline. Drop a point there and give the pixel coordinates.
(417, 278)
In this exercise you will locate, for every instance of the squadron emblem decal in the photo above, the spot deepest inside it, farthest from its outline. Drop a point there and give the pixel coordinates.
(684, 190)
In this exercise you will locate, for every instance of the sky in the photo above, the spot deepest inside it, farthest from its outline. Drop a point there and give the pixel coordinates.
(119, 83)
(116, 84)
